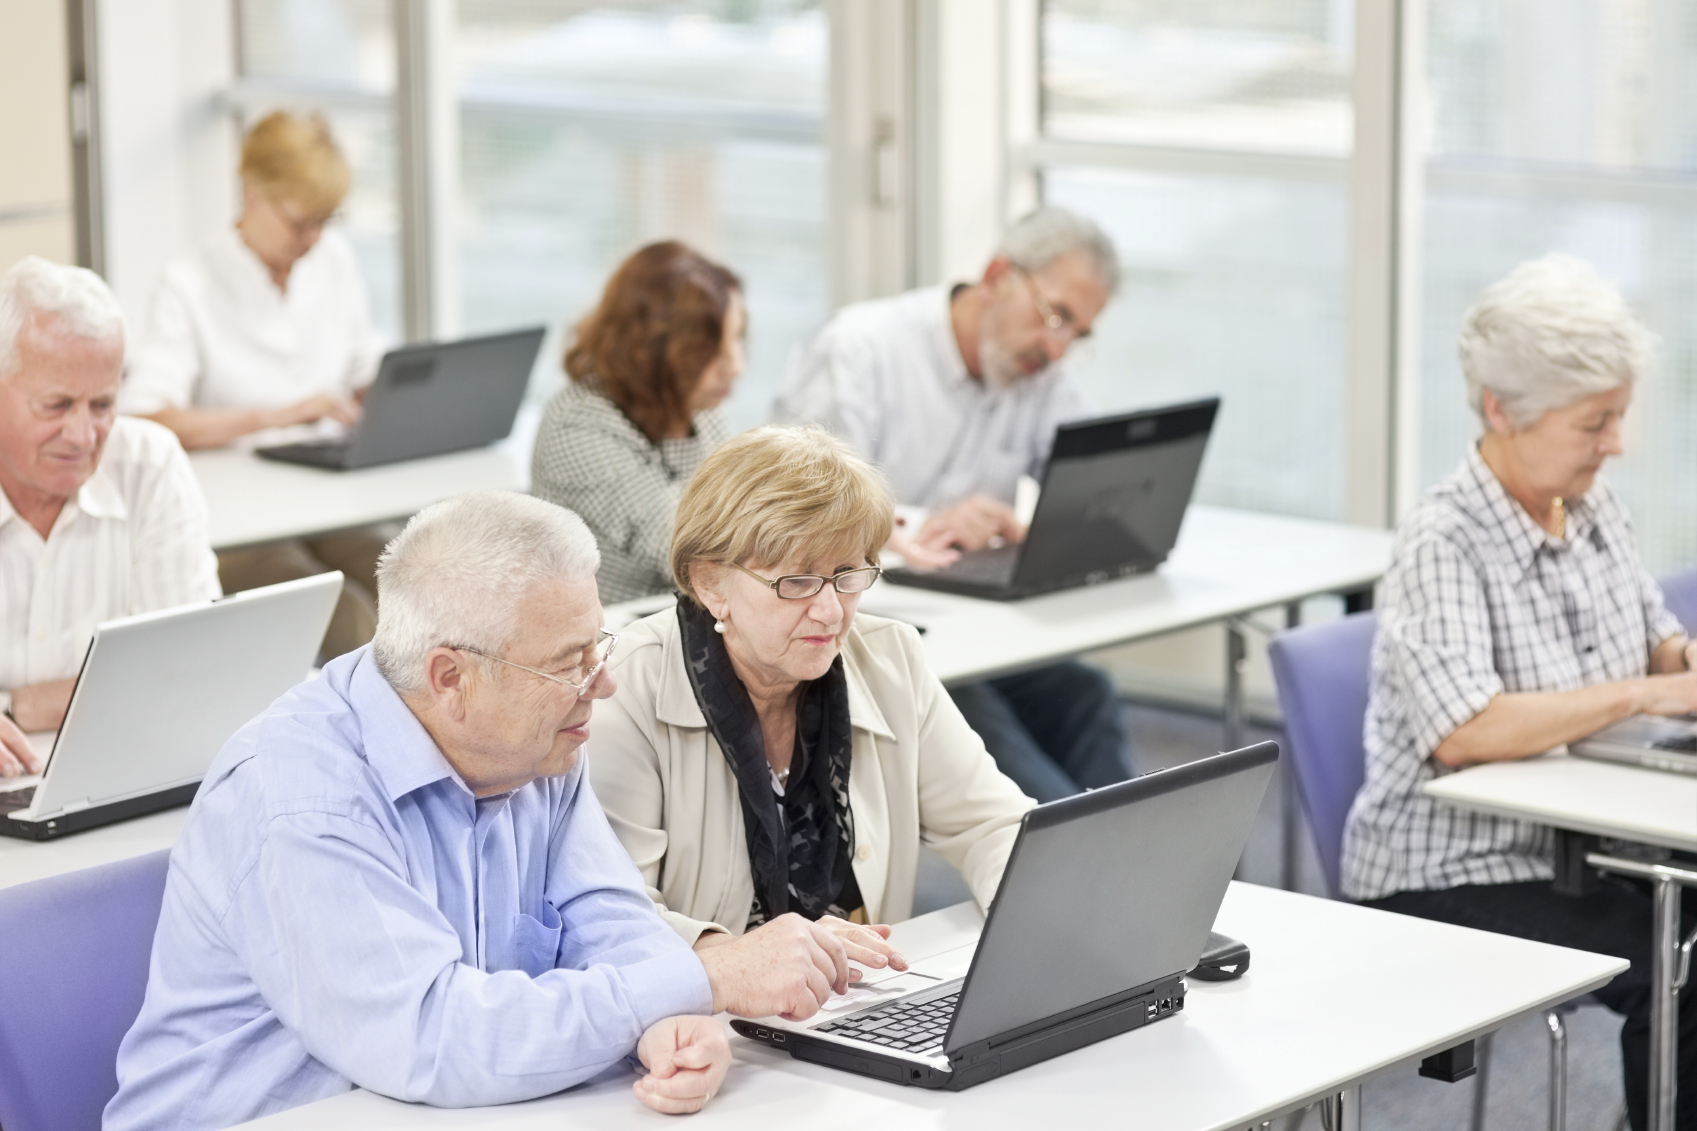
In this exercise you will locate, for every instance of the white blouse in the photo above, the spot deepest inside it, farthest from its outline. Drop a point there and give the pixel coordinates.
(132, 540)
(219, 334)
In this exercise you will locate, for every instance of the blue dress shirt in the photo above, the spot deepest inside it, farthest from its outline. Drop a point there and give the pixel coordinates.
(342, 910)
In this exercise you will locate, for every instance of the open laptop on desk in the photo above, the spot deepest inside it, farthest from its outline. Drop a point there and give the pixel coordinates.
(428, 400)
(1114, 495)
(1070, 954)
(1650, 741)
(158, 696)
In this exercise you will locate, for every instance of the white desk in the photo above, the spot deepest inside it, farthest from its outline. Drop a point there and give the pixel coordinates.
(1575, 795)
(24, 860)
(1336, 994)
(253, 501)
(1599, 798)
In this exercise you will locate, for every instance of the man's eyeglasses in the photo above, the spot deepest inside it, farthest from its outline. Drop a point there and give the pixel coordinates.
(799, 586)
(1054, 321)
(579, 676)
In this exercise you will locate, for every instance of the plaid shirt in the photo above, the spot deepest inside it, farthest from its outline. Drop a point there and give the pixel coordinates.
(1479, 600)
(591, 459)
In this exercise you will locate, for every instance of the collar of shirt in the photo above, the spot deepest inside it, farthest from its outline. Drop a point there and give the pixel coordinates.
(396, 744)
(98, 497)
(1515, 532)
(243, 270)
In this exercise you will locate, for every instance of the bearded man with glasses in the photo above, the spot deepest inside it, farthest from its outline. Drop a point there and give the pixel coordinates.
(397, 878)
(954, 393)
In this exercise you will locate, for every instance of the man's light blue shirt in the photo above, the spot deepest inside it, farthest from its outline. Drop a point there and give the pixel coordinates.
(342, 910)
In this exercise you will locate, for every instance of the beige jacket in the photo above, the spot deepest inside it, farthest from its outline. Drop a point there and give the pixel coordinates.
(919, 775)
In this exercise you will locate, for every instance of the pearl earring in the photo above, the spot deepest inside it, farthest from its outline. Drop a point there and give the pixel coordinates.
(719, 627)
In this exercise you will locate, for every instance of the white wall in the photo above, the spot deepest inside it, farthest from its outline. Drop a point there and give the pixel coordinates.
(168, 142)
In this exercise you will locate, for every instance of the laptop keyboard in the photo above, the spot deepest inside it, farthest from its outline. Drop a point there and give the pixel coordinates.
(1684, 743)
(994, 566)
(321, 453)
(14, 799)
(906, 1026)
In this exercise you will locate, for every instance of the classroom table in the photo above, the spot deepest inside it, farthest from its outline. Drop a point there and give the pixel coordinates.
(1335, 994)
(1583, 800)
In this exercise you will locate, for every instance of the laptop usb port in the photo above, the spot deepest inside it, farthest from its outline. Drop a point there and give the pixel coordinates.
(778, 1038)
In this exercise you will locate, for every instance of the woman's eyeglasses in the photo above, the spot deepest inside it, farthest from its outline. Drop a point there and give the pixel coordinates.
(799, 586)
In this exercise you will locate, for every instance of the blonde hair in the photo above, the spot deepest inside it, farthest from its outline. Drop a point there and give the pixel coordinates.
(771, 494)
(294, 158)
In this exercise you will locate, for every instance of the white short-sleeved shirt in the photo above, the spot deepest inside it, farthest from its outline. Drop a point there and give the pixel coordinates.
(132, 540)
(888, 377)
(219, 334)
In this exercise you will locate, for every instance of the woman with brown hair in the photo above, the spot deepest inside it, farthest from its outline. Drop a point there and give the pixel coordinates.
(649, 367)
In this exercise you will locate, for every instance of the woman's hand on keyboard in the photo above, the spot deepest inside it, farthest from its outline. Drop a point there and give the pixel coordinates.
(866, 944)
(17, 756)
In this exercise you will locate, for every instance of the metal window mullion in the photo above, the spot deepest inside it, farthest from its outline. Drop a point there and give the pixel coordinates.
(427, 154)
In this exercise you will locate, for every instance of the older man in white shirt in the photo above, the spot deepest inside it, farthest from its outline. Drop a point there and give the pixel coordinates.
(955, 392)
(100, 517)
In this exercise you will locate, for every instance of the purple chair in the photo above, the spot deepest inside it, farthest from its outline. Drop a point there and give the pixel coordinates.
(77, 953)
(1322, 674)
(1679, 590)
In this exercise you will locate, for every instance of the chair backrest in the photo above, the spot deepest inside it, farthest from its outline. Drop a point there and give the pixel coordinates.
(1322, 673)
(1679, 591)
(77, 950)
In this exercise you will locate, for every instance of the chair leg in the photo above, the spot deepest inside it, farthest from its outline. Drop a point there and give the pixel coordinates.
(1558, 1069)
(1481, 1080)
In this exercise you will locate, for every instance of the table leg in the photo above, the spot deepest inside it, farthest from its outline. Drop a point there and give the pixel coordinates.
(1664, 1005)
(1558, 1069)
(1341, 1112)
(1291, 824)
(1236, 651)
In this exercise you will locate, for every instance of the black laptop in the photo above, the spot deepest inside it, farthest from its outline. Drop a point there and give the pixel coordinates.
(1114, 496)
(1106, 902)
(431, 399)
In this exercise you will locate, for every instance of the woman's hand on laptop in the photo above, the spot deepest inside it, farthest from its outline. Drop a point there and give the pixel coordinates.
(866, 943)
(324, 406)
(971, 524)
(686, 1058)
(16, 754)
(42, 706)
(788, 967)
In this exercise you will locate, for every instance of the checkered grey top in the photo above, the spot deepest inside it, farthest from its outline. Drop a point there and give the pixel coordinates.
(591, 458)
(1480, 600)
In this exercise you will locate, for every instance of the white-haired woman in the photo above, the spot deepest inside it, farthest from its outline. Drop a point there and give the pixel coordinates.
(1516, 617)
(771, 760)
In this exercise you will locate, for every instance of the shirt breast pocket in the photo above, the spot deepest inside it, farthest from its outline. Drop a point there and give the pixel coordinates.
(536, 942)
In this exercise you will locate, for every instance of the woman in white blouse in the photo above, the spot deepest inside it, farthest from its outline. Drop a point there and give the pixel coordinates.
(268, 325)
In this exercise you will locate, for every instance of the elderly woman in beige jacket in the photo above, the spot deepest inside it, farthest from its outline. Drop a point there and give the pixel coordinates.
(772, 761)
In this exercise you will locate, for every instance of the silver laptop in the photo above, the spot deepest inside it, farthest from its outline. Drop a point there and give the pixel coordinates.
(1071, 953)
(158, 696)
(430, 399)
(1650, 741)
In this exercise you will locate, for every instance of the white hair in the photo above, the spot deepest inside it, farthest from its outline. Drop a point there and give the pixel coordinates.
(461, 570)
(79, 302)
(1040, 237)
(1547, 334)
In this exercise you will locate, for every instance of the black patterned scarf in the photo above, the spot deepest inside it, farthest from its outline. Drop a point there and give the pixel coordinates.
(800, 857)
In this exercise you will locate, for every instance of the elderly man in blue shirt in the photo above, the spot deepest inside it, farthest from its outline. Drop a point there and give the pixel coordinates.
(398, 877)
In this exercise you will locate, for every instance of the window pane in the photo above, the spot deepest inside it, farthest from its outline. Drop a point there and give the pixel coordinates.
(1230, 74)
(589, 129)
(1569, 128)
(338, 57)
(1232, 287)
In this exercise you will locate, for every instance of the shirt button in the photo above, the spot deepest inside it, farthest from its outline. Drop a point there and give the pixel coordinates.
(863, 853)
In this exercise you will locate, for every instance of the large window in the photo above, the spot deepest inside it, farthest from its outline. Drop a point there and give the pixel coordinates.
(1573, 128)
(590, 129)
(337, 56)
(1211, 141)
